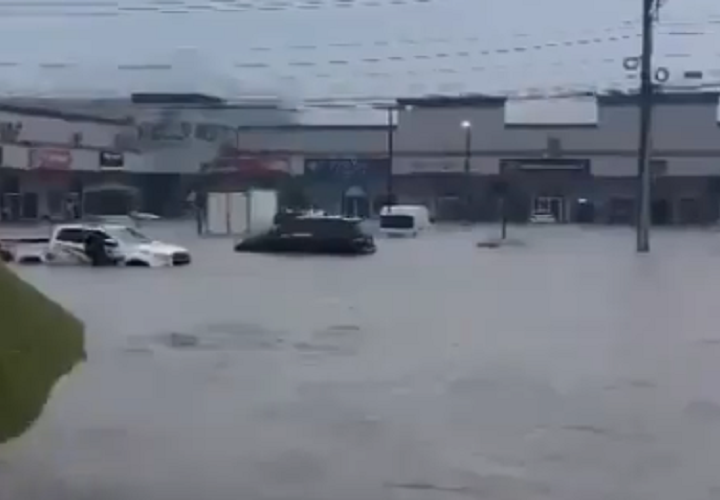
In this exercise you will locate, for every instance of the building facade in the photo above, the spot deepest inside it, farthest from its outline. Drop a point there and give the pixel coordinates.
(579, 172)
(62, 158)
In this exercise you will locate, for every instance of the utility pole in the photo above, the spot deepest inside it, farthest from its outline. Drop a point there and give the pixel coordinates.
(391, 156)
(644, 147)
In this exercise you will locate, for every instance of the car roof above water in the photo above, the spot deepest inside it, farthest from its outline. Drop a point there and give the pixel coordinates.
(321, 225)
(321, 217)
(112, 227)
(403, 210)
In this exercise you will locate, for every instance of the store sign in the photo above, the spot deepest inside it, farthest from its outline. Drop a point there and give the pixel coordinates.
(346, 169)
(50, 159)
(248, 165)
(110, 160)
(545, 165)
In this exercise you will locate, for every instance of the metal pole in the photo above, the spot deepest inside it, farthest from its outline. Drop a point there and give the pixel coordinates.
(466, 170)
(503, 216)
(644, 146)
(391, 157)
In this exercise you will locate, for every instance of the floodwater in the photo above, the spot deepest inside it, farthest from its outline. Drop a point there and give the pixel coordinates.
(566, 369)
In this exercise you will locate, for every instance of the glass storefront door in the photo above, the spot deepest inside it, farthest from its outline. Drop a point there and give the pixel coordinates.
(554, 205)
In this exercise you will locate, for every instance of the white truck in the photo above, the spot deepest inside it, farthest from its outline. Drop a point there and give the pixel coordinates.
(125, 244)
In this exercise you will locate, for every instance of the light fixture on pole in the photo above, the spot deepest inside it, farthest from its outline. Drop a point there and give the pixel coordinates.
(466, 125)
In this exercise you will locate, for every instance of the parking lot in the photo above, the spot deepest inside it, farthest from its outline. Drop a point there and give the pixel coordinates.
(568, 368)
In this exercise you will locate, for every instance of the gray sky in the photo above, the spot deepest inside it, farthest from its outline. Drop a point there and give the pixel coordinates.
(341, 49)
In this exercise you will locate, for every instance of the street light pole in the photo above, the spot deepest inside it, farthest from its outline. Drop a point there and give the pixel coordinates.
(467, 126)
(645, 130)
(390, 187)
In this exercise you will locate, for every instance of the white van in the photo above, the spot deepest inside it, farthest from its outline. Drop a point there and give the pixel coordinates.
(404, 220)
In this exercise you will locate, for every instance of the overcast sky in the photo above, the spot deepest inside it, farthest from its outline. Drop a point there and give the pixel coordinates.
(342, 49)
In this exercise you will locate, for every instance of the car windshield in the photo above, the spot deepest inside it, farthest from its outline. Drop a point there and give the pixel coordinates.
(128, 235)
(397, 221)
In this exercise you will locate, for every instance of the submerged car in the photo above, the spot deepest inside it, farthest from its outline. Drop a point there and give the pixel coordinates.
(312, 234)
(542, 218)
(404, 220)
(122, 245)
(5, 254)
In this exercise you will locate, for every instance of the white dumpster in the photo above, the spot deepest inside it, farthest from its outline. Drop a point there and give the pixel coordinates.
(241, 212)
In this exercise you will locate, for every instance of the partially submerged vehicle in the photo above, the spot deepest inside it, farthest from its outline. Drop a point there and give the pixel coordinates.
(286, 214)
(6, 254)
(404, 220)
(542, 217)
(100, 245)
(26, 250)
(318, 234)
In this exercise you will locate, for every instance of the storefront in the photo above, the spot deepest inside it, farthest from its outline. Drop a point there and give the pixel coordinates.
(355, 187)
(10, 197)
(561, 187)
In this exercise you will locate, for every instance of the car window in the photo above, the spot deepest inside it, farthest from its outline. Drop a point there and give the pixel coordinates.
(71, 235)
(96, 232)
(321, 227)
(128, 235)
(295, 225)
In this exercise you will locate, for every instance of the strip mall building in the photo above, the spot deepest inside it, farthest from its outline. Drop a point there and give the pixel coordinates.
(58, 155)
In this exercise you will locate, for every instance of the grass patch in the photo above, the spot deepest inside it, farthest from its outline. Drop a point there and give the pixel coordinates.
(39, 343)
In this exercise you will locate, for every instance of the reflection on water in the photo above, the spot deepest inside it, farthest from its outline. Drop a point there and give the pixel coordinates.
(568, 368)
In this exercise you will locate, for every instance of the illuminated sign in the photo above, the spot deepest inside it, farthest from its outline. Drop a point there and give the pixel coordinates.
(50, 159)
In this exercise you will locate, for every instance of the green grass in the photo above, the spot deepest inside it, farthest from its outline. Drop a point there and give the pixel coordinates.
(39, 343)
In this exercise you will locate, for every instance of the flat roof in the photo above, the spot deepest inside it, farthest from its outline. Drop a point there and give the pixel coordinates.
(664, 98)
(69, 116)
(611, 98)
(475, 101)
(522, 108)
(175, 98)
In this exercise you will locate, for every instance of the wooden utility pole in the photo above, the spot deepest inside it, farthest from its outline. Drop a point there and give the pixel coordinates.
(647, 90)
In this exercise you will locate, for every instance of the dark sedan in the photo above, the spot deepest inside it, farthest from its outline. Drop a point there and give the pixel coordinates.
(312, 234)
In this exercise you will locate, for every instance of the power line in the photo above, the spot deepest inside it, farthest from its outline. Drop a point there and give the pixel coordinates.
(448, 66)
(184, 8)
(427, 54)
